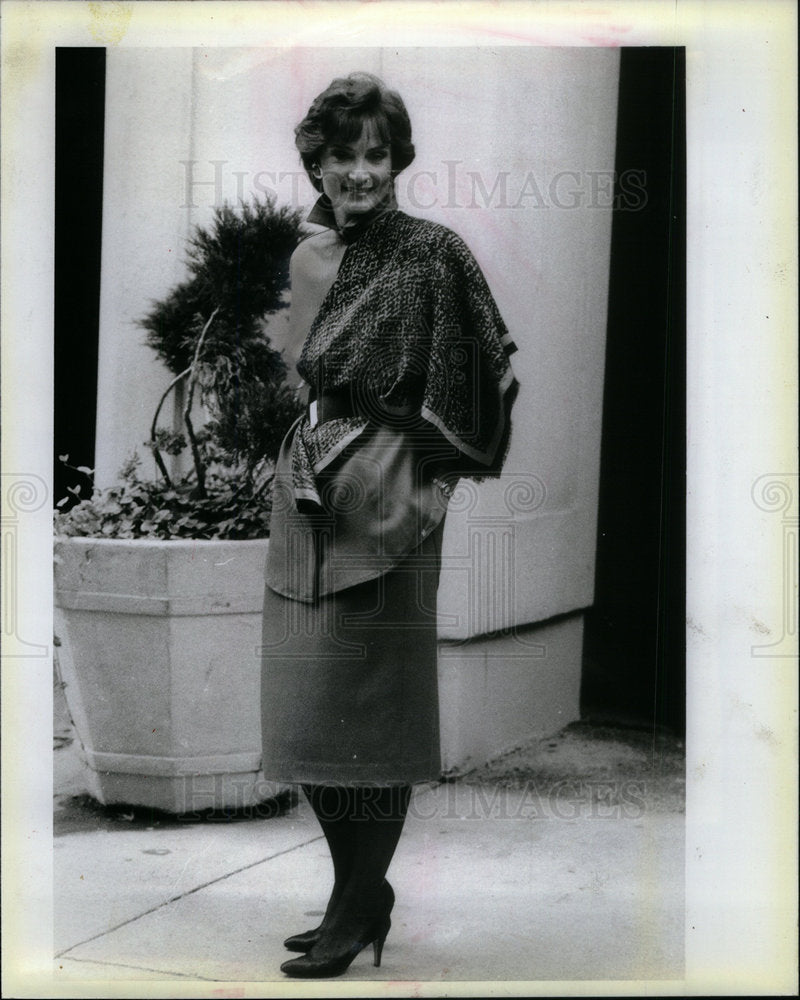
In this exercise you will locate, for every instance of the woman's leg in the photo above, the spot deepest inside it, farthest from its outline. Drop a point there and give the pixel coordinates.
(379, 815)
(362, 827)
(332, 807)
(376, 822)
(360, 914)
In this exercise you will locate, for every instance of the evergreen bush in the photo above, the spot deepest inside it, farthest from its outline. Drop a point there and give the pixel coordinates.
(210, 331)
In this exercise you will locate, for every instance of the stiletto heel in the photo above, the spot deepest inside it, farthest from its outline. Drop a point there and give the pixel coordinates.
(377, 946)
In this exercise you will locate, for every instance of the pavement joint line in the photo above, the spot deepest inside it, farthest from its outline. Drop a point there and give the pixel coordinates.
(139, 968)
(183, 895)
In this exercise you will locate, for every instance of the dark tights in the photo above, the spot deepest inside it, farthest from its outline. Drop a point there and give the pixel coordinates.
(362, 827)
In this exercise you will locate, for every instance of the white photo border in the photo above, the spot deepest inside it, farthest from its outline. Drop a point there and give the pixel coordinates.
(742, 454)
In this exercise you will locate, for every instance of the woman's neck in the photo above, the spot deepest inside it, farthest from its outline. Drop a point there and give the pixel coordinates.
(358, 221)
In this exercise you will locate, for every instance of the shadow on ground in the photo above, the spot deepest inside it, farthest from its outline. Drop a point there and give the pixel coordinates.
(612, 762)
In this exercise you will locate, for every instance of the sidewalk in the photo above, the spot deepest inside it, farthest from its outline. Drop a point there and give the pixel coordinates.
(561, 862)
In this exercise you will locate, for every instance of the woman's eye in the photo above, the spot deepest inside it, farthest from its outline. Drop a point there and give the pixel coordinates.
(378, 156)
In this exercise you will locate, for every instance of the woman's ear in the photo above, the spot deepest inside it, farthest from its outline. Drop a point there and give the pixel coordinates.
(316, 171)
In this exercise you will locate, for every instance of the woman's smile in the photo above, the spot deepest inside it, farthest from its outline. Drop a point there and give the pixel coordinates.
(357, 176)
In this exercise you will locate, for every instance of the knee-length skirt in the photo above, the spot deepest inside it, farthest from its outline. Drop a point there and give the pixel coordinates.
(349, 682)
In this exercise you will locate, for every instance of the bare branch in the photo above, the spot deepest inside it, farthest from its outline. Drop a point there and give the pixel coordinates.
(154, 426)
(200, 468)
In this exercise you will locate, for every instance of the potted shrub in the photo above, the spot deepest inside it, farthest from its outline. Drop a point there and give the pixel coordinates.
(159, 580)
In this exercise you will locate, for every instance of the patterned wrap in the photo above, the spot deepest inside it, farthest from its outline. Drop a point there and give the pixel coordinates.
(411, 326)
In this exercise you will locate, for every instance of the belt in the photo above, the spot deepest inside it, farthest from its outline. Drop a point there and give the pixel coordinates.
(335, 403)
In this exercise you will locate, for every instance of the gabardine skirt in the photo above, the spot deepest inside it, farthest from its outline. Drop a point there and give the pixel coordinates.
(349, 689)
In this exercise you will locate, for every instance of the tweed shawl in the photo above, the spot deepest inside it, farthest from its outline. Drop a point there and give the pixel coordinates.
(409, 324)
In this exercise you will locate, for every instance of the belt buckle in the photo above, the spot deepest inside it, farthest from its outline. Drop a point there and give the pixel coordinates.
(312, 414)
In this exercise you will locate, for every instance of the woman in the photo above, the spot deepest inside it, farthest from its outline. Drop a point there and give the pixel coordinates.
(405, 356)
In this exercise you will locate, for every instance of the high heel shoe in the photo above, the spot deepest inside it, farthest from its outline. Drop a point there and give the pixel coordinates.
(313, 966)
(305, 942)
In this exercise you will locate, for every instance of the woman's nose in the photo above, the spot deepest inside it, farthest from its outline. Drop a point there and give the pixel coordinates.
(359, 173)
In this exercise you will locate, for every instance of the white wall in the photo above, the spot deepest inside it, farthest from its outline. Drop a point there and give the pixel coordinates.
(515, 152)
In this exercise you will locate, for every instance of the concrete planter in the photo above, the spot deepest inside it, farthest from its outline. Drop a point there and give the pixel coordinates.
(160, 659)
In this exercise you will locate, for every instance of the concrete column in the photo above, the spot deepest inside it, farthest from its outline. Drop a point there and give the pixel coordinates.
(516, 153)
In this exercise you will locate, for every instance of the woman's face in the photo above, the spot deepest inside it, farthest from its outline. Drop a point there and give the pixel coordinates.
(357, 175)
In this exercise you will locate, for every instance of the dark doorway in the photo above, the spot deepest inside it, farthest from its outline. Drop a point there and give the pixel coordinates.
(634, 659)
(79, 125)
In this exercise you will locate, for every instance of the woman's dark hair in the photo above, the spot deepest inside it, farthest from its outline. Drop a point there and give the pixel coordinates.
(341, 111)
